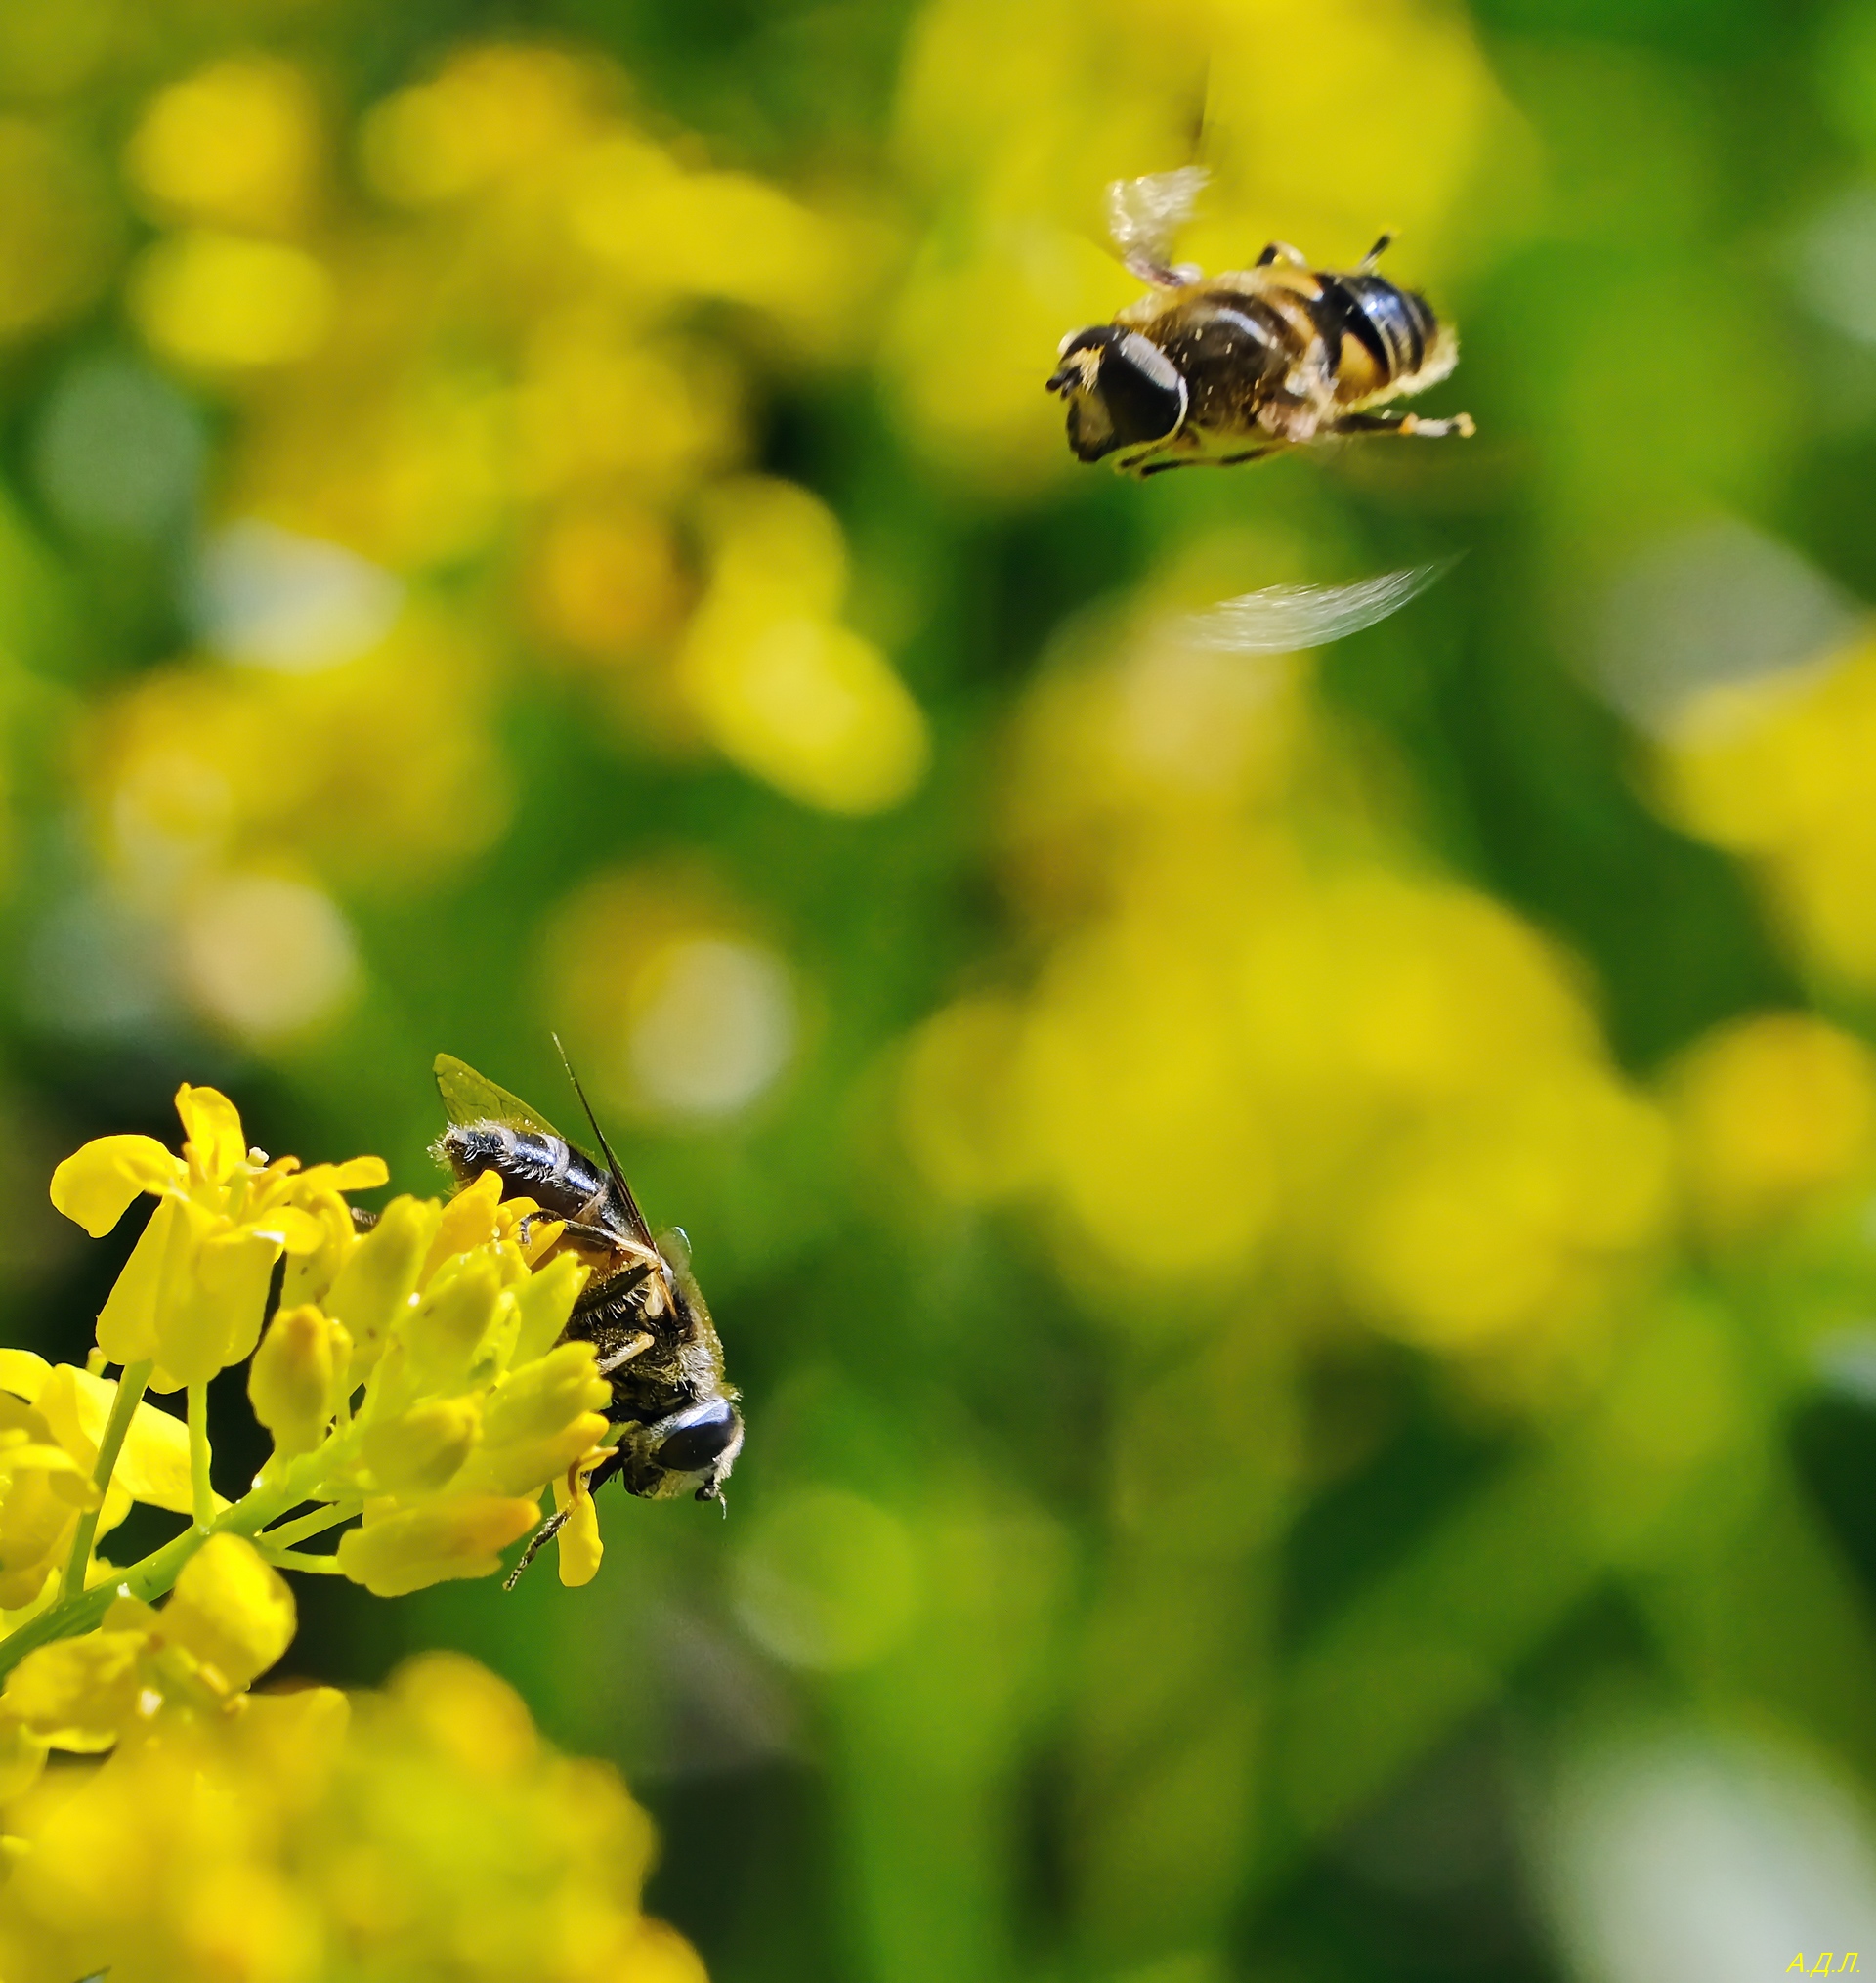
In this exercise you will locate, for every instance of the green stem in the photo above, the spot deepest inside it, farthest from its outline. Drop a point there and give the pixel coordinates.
(131, 1386)
(290, 1559)
(200, 1492)
(315, 1524)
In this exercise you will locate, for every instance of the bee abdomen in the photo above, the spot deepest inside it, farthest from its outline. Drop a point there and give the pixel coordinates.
(1393, 328)
(547, 1168)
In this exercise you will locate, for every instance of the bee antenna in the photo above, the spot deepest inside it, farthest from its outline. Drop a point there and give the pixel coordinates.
(606, 1149)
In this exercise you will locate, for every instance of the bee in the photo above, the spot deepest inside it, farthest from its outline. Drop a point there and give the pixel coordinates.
(672, 1415)
(1247, 364)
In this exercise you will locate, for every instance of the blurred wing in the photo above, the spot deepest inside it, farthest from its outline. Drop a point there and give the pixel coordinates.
(1287, 619)
(1145, 214)
(469, 1096)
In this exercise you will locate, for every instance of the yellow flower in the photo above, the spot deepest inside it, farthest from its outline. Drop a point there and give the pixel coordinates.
(191, 1294)
(401, 1549)
(229, 1619)
(426, 1830)
(52, 1417)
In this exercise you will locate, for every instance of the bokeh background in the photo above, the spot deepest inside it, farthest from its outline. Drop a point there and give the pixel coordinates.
(1298, 1234)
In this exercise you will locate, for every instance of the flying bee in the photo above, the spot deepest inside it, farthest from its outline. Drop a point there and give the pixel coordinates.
(672, 1415)
(1246, 363)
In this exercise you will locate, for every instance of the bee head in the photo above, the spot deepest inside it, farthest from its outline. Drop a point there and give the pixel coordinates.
(1122, 390)
(692, 1450)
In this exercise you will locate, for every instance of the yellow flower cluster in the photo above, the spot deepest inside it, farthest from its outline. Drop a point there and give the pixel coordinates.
(421, 1833)
(53, 1419)
(412, 1378)
(482, 348)
(1263, 1041)
(1258, 1041)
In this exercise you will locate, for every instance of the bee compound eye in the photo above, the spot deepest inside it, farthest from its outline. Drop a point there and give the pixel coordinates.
(1142, 389)
(699, 1438)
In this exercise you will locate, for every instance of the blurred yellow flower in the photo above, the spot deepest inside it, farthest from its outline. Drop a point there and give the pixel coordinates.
(419, 1832)
(1257, 1045)
(782, 688)
(221, 301)
(1778, 771)
(1773, 1113)
(236, 145)
(379, 773)
(265, 954)
(670, 997)
(490, 114)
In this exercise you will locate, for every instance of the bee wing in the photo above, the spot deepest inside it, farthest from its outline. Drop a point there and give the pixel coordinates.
(469, 1096)
(1145, 214)
(1287, 619)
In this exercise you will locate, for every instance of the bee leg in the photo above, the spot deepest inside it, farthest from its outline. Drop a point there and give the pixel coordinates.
(1405, 425)
(1374, 253)
(635, 1347)
(543, 1536)
(1281, 252)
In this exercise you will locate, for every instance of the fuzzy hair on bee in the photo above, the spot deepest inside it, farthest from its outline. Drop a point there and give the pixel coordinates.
(674, 1415)
(1237, 366)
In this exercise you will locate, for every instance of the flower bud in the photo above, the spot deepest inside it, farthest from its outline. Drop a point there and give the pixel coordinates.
(421, 1449)
(298, 1376)
(540, 1420)
(379, 1276)
(409, 1548)
(445, 1329)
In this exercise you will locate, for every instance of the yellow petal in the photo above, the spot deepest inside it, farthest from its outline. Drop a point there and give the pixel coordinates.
(229, 1608)
(422, 1449)
(22, 1755)
(213, 1128)
(579, 1543)
(296, 1230)
(158, 1262)
(154, 1465)
(659, 1953)
(23, 1373)
(95, 1184)
(360, 1174)
(79, 1693)
(37, 1526)
(217, 1321)
(414, 1547)
(468, 1222)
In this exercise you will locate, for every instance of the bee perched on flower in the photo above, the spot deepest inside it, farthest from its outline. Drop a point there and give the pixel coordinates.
(412, 1379)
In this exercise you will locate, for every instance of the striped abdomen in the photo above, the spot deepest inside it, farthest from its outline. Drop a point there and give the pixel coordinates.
(561, 1179)
(1376, 337)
